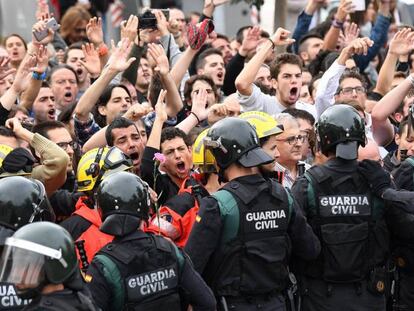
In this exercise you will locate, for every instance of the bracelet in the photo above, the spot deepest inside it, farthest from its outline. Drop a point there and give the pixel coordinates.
(39, 75)
(337, 24)
(410, 77)
(103, 50)
(273, 44)
(198, 120)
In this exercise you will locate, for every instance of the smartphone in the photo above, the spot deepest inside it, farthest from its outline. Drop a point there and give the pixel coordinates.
(51, 24)
(147, 20)
(359, 5)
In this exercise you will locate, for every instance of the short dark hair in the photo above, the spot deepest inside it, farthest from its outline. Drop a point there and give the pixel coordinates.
(44, 127)
(188, 88)
(154, 89)
(403, 125)
(58, 67)
(66, 114)
(201, 59)
(300, 114)
(349, 74)
(282, 59)
(117, 123)
(303, 42)
(170, 132)
(239, 34)
(103, 100)
(6, 132)
(73, 46)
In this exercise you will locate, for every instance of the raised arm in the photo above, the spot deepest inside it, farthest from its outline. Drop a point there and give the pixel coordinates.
(154, 139)
(117, 63)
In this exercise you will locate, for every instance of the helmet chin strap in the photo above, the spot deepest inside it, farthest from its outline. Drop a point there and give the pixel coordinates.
(31, 293)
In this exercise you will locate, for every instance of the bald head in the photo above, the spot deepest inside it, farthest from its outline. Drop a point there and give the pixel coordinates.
(369, 152)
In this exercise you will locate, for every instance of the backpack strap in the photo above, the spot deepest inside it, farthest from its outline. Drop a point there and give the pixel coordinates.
(229, 214)
(113, 277)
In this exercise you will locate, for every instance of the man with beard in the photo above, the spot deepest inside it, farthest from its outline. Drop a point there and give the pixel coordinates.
(64, 84)
(286, 72)
(44, 106)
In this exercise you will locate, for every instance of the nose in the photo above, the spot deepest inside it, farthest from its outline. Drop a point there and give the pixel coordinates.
(276, 154)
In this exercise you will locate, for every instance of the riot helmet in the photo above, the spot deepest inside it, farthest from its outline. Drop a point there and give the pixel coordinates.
(123, 200)
(234, 140)
(22, 201)
(341, 130)
(36, 255)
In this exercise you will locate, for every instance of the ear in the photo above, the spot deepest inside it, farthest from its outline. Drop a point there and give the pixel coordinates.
(398, 116)
(397, 139)
(274, 83)
(200, 71)
(102, 110)
(304, 56)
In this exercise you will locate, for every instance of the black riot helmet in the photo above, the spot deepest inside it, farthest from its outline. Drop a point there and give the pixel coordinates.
(235, 140)
(123, 200)
(22, 201)
(341, 129)
(36, 255)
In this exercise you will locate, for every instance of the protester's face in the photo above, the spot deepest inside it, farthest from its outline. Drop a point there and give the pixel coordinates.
(129, 141)
(44, 105)
(117, 105)
(289, 153)
(305, 95)
(224, 46)
(178, 158)
(15, 48)
(263, 76)
(352, 89)
(64, 87)
(144, 75)
(305, 129)
(61, 136)
(202, 85)
(214, 68)
(142, 132)
(74, 57)
(132, 90)
(178, 16)
(313, 48)
(288, 84)
(270, 147)
(5, 84)
(405, 142)
(78, 32)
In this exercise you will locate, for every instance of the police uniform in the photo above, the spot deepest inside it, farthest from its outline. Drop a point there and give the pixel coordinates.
(349, 220)
(267, 227)
(153, 275)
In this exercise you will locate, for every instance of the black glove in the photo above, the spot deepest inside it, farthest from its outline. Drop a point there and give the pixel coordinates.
(378, 178)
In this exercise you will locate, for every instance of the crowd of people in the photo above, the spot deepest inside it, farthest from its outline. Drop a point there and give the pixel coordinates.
(184, 169)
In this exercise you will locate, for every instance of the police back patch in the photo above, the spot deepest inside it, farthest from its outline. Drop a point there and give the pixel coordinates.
(265, 220)
(146, 284)
(344, 205)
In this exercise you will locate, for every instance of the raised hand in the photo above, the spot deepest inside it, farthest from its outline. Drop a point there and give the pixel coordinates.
(40, 26)
(92, 62)
(358, 46)
(162, 23)
(351, 32)
(402, 43)
(129, 28)
(345, 7)
(42, 10)
(199, 104)
(136, 112)
(42, 60)
(24, 73)
(250, 40)
(281, 37)
(161, 107)
(5, 70)
(119, 60)
(157, 54)
(94, 31)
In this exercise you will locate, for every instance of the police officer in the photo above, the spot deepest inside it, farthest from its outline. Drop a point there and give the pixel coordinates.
(244, 234)
(22, 200)
(349, 219)
(139, 271)
(45, 269)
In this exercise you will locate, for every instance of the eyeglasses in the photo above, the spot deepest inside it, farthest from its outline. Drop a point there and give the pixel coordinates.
(292, 140)
(65, 145)
(350, 90)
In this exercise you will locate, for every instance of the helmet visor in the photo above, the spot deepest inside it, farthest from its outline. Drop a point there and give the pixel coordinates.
(21, 267)
(116, 158)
